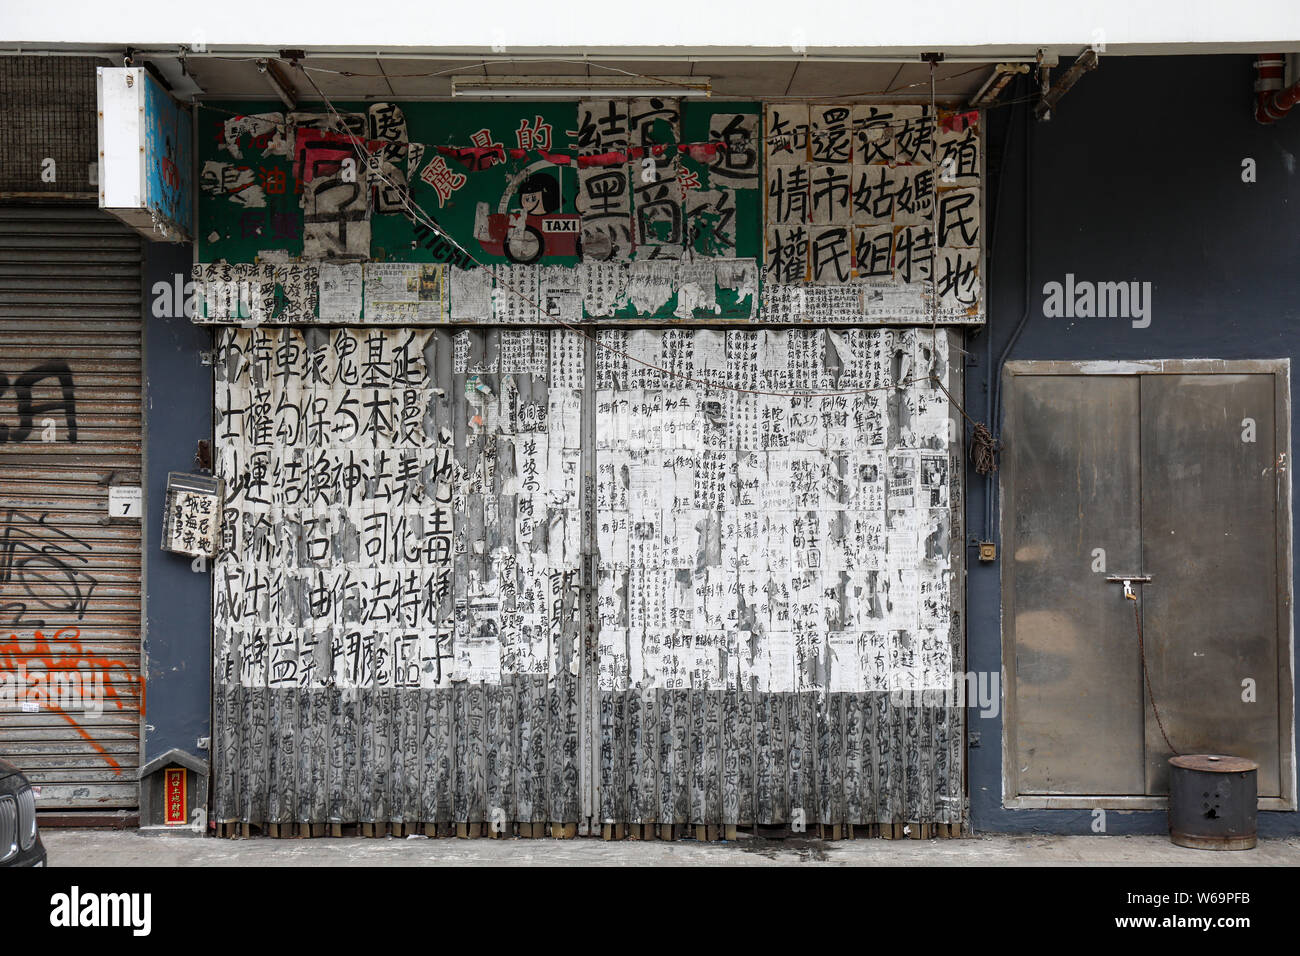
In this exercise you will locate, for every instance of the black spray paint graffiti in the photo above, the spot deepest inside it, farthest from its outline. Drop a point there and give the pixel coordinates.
(28, 410)
(42, 565)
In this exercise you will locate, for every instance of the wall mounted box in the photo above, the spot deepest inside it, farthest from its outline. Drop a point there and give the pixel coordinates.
(192, 522)
(146, 166)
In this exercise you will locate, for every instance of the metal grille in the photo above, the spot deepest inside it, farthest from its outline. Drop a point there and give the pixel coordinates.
(70, 426)
(26, 817)
(8, 828)
(47, 111)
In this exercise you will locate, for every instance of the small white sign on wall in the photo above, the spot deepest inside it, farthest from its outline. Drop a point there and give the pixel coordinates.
(125, 501)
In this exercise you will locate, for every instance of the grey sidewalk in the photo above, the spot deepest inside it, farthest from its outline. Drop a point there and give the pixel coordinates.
(130, 848)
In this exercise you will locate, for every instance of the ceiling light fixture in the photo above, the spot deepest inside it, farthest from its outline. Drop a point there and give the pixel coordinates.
(579, 87)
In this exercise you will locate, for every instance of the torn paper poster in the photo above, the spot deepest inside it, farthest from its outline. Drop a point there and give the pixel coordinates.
(400, 293)
(515, 294)
(604, 198)
(559, 294)
(691, 289)
(658, 214)
(340, 292)
(711, 220)
(797, 522)
(696, 288)
(740, 275)
(246, 293)
(736, 163)
(274, 135)
(604, 287)
(236, 183)
(470, 294)
(651, 284)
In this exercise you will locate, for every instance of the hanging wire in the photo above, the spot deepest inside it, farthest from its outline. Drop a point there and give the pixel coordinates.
(1142, 654)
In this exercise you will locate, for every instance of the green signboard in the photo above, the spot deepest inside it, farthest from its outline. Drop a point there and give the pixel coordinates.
(484, 183)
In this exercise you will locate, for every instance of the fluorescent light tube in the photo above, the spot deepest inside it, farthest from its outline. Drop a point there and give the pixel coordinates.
(578, 87)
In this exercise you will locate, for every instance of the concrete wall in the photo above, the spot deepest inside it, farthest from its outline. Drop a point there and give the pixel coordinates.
(1138, 176)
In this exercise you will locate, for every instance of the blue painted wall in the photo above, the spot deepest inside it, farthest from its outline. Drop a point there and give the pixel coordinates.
(1137, 176)
(178, 603)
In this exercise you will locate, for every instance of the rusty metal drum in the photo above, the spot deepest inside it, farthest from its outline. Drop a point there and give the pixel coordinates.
(1212, 801)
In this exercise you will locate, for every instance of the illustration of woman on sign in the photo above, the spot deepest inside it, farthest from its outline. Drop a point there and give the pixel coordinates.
(537, 228)
(539, 194)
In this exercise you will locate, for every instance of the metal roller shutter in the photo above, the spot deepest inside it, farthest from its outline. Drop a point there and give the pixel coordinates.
(421, 523)
(70, 426)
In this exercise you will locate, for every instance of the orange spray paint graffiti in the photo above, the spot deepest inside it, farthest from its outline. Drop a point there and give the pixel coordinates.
(64, 660)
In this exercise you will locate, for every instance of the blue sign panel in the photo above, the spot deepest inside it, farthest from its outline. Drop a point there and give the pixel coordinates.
(169, 161)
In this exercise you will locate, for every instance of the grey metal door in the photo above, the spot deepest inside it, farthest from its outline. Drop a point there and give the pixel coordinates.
(1173, 470)
(1209, 531)
(1074, 450)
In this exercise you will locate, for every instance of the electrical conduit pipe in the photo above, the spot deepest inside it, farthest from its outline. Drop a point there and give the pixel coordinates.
(1271, 101)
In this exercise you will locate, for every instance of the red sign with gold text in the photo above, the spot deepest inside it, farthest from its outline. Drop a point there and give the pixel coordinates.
(174, 790)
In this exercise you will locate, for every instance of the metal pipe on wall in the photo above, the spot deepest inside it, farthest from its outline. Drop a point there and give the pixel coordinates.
(995, 372)
(1272, 102)
(988, 328)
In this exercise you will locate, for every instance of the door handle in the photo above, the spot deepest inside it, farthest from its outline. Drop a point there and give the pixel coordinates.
(1128, 580)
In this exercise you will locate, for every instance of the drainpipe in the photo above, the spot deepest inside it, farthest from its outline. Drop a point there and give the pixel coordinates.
(1272, 102)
